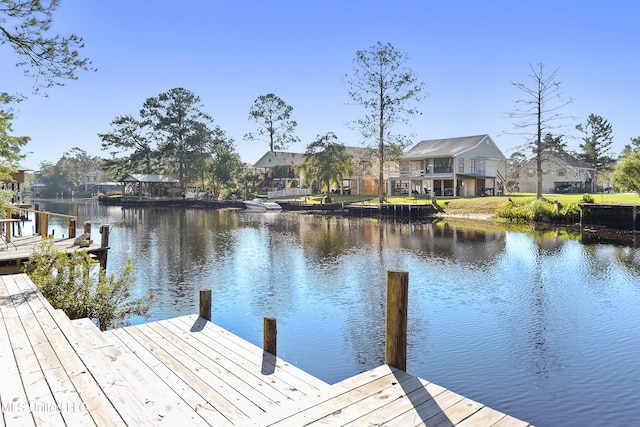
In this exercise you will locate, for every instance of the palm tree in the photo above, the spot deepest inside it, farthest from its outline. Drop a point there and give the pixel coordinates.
(327, 161)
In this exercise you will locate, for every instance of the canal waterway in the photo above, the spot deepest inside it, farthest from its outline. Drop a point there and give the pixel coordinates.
(538, 325)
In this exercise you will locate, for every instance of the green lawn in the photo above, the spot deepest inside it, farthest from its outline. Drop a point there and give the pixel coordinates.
(564, 199)
(488, 205)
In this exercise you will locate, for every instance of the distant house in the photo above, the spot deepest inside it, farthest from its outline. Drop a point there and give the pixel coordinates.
(363, 180)
(16, 184)
(149, 184)
(282, 170)
(561, 173)
(465, 166)
(94, 183)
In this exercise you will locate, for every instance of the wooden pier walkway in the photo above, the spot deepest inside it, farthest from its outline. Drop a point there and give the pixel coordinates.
(14, 254)
(187, 370)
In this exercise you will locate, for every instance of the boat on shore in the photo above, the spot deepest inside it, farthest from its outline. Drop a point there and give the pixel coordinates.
(261, 205)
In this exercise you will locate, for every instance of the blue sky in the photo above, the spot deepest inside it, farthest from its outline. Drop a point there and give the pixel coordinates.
(467, 53)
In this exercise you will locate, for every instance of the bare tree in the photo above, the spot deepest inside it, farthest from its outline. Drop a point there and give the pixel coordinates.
(538, 113)
(384, 86)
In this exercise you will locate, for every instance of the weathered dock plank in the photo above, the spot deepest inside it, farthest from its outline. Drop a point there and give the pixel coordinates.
(164, 353)
(52, 398)
(139, 395)
(290, 380)
(190, 392)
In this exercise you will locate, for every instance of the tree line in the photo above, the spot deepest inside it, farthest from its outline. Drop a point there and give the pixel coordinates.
(173, 134)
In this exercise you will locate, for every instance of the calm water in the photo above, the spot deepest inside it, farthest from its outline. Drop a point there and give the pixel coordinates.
(542, 327)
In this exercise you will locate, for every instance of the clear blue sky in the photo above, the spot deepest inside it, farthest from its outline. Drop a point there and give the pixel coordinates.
(230, 52)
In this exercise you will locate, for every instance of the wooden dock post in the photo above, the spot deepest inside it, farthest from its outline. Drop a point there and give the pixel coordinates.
(36, 219)
(72, 228)
(8, 228)
(205, 303)
(270, 335)
(44, 224)
(397, 309)
(105, 229)
(87, 227)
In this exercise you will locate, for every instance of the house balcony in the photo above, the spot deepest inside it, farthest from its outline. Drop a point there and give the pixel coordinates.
(422, 174)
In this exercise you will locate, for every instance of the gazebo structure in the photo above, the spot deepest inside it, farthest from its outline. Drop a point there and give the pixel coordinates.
(148, 184)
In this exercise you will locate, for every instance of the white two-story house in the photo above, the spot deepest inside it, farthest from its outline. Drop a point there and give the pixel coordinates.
(466, 166)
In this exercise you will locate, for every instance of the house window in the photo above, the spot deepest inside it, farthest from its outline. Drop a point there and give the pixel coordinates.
(460, 165)
(531, 172)
(561, 172)
(472, 165)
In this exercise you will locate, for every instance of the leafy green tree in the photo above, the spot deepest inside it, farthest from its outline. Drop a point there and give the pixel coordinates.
(250, 180)
(56, 181)
(70, 282)
(554, 144)
(76, 164)
(10, 146)
(5, 199)
(68, 173)
(383, 84)
(181, 129)
(327, 161)
(626, 174)
(597, 143)
(25, 25)
(515, 163)
(275, 125)
(226, 165)
(539, 112)
(132, 150)
(628, 149)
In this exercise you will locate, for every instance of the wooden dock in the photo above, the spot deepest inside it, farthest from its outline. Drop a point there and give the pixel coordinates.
(14, 254)
(15, 250)
(187, 370)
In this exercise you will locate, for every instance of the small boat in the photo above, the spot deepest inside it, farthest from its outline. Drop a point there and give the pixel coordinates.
(261, 205)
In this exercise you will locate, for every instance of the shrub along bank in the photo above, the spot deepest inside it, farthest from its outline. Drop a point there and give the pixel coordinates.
(524, 207)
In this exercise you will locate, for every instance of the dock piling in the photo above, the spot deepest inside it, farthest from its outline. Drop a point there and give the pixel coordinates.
(104, 245)
(44, 224)
(397, 305)
(72, 228)
(270, 335)
(205, 303)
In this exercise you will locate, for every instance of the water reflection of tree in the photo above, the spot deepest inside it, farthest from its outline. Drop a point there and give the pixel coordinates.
(324, 239)
(629, 259)
(532, 310)
(177, 249)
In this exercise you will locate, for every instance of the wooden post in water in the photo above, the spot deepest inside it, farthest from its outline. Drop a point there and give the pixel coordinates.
(87, 227)
(44, 224)
(104, 245)
(397, 309)
(72, 227)
(205, 303)
(270, 335)
(36, 207)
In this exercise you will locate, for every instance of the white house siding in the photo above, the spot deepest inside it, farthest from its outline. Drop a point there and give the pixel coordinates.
(461, 166)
